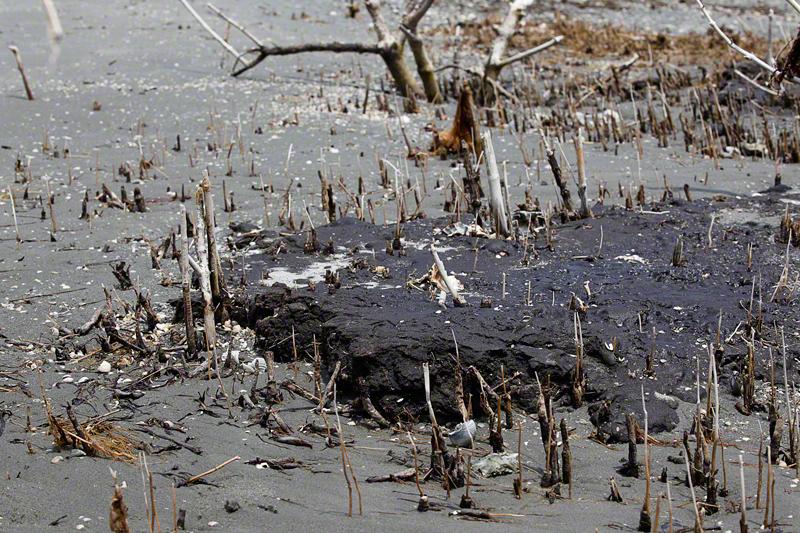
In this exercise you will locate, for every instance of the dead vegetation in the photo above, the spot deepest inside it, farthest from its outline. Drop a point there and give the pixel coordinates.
(390, 47)
(464, 132)
(120, 333)
(118, 515)
(588, 41)
(96, 438)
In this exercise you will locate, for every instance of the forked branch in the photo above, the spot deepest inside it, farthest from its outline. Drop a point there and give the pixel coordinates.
(415, 10)
(497, 60)
(778, 74)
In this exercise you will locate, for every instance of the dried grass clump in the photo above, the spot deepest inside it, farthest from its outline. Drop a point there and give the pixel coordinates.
(433, 283)
(584, 40)
(98, 439)
(790, 229)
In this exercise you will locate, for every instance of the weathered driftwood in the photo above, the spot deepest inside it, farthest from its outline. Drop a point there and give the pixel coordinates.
(21, 68)
(496, 201)
(214, 262)
(586, 211)
(552, 160)
(201, 267)
(458, 300)
(186, 283)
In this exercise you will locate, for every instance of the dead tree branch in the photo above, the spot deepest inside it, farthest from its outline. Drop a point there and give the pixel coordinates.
(236, 25)
(496, 61)
(390, 46)
(778, 74)
(231, 50)
(414, 13)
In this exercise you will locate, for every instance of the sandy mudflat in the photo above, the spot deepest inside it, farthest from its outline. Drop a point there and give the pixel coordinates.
(133, 75)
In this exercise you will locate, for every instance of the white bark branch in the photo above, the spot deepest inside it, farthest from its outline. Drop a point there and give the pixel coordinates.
(738, 49)
(755, 84)
(231, 50)
(531, 51)
(53, 21)
(495, 189)
(195, 266)
(448, 282)
(236, 25)
(385, 37)
(209, 325)
(507, 29)
(496, 61)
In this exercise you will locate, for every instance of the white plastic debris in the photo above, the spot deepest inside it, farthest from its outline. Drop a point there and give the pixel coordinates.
(257, 365)
(463, 435)
(631, 258)
(496, 464)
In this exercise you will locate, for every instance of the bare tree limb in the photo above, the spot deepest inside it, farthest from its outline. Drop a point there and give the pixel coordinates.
(231, 50)
(389, 46)
(335, 47)
(392, 51)
(385, 37)
(755, 84)
(506, 30)
(236, 25)
(738, 49)
(414, 13)
(415, 10)
(532, 51)
(425, 68)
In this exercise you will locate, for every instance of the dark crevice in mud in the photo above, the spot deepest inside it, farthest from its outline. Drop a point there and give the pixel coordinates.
(373, 314)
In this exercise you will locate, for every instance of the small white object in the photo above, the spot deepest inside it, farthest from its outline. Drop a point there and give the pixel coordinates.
(496, 464)
(257, 365)
(463, 435)
(104, 368)
(631, 258)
